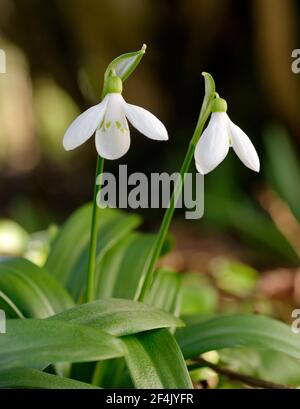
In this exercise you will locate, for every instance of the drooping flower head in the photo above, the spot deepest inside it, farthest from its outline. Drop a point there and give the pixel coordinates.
(221, 134)
(109, 121)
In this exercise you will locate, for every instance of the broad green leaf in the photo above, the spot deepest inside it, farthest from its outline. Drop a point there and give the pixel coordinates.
(35, 342)
(112, 374)
(268, 365)
(11, 310)
(34, 292)
(28, 378)
(255, 331)
(119, 317)
(155, 361)
(68, 258)
(120, 275)
(120, 271)
(165, 292)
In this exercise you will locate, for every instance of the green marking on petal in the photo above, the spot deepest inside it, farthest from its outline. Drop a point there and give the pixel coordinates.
(118, 124)
(108, 124)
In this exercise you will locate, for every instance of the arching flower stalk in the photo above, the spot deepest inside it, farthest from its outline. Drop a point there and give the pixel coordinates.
(108, 121)
(208, 149)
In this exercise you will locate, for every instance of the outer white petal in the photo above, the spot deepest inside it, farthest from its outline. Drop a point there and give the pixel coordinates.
(145, 122)
(213, 145)
(243, 147)
(84, 126)
(113, 138)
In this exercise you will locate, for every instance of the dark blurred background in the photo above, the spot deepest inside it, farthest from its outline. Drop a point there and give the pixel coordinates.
(57, 52)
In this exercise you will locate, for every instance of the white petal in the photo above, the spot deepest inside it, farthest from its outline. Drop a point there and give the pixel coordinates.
(113, 138)
(145, 122)
(112, 144)
(84, 126)
(213, 145)
(243, 147)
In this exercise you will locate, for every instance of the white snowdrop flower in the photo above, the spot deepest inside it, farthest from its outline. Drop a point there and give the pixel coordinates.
(109, 121)
(220, 134)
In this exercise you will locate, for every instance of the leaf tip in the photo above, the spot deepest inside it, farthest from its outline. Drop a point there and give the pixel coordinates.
(207, 75)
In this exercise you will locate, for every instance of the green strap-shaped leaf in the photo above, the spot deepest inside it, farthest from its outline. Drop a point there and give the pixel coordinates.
(126, 259)
(28, 378)
(119, 317)
(263, 364)
(165, 291)
(68, 258)
(155, 361)
(255, 331)
(30, 291)
(11, 310)
(34, 342)
(120, 271)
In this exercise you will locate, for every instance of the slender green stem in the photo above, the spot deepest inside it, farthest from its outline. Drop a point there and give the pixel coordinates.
(90, 286)
(160, 239)
(94, 234)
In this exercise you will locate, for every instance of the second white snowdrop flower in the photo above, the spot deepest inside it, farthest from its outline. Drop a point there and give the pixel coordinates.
(221, 134)
(109, 121)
